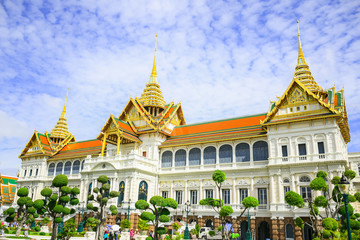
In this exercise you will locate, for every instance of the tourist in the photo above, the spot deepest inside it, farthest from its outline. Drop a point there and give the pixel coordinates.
(131, 234)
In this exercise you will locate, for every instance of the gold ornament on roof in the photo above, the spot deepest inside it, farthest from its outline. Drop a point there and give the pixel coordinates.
(152, 98)
(61, 130)
(302, 71)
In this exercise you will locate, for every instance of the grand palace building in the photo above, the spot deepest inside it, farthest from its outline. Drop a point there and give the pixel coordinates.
(149, 149)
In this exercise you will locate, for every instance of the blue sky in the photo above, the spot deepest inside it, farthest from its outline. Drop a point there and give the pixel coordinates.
(221, 59)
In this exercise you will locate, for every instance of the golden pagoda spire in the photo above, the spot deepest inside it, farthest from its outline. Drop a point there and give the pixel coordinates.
(61, 130)
(302, 71)
(153, 76)
(63, 114)
(152, 97)
(301, 58)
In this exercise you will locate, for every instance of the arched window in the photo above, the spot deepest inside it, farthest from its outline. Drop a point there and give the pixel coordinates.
(180, 158)
(242, 152)
(166, 159)
(51, 169)
(305, 179)
(225, 154)
(82, 165)
(194, 156)
(289, 229)
(260, 151)
(143, 187)
(59, 168)
(67, 168)
(76, 166)
(286, 180)
(122, 192)
(210, 155)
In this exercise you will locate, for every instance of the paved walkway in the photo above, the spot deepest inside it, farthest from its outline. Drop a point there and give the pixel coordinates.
(37, 237)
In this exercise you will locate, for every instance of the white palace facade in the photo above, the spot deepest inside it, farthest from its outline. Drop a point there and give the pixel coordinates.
(150, 150)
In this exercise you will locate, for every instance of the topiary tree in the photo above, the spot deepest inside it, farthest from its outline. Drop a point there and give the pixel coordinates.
(55, 203)
(101, 197)
(224, 211)
(331, 203)
(24, 214)
(156, 212)
(69, 230)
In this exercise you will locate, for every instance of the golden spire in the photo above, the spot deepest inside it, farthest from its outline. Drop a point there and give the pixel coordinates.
(301, 58)
(63, 114)
(153, 76)
(152, 96)
(61, 130)
(302, 71)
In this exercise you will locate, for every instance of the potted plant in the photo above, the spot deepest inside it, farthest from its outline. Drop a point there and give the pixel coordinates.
(143, 226)
(125, 225)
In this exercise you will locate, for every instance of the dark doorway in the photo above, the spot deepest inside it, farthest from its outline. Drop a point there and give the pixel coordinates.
(289, 231)
(209, 223)
(263, 231)
(243, 229)
(308, 232)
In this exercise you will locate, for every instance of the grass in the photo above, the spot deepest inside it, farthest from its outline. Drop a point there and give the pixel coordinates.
(18, 237)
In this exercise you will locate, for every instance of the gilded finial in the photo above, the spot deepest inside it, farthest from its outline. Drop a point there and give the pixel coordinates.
(301, 54)
(153, 76)
(63, 114)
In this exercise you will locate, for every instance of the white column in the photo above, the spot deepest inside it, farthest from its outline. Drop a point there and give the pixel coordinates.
(272, 192)
(281, 191)
(252, 190)
(233, 194)
(293, 188)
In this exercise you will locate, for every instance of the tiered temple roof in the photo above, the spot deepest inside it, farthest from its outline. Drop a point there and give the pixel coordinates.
(7, 189)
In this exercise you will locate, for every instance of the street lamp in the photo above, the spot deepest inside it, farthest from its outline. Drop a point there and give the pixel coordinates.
(128, 208)
(188, 209)
(248, 232)
(81, 208)
(344, 189)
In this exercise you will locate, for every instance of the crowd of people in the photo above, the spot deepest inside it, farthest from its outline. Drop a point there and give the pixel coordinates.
(111, 234)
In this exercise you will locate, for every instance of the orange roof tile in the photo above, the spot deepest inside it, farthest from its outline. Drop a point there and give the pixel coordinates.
(83, 144)
(227, 129)
(246, 121)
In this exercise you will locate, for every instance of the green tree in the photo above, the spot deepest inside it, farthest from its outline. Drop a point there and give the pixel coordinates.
(69, 230)
(101, 197)
(224, 211)
(25, 213)
(56, 204)
(330, 202)
(157, 211)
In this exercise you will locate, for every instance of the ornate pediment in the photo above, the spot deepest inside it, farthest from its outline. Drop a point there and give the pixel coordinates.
(243, 182)
(209, 183)
(262, 181)
(178, 184)
(297, 95)
(193, 184)
(164, 185)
